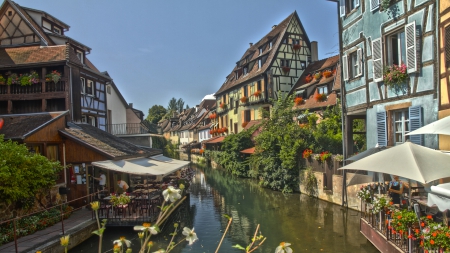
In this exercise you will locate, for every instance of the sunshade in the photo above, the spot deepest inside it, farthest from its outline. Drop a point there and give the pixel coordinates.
(440, 196)
(366, 153)
(370, 178)
(156, 165)
(441, 126)
(407, 160)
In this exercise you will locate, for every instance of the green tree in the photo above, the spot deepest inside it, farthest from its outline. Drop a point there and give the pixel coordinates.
(230, 157)
(172, 107)
(23, 175)
(180, 105)
(156, 113)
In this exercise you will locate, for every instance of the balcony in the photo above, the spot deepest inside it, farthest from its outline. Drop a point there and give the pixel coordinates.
(37, 88)
(254, 99)
(127, 129)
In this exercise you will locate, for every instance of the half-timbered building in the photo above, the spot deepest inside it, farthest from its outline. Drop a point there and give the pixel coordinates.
(380, 39)
(267, 70)
(444, 68)
(44, 70)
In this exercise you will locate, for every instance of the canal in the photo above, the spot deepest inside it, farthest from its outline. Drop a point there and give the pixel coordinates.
(309, 224)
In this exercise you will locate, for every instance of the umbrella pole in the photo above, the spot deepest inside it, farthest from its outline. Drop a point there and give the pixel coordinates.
(409, 195)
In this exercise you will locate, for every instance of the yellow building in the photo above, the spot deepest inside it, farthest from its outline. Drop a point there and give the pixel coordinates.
(267, 70)
(444, 69)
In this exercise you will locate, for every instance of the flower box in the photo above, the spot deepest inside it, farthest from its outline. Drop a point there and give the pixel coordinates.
(53, 76)
(327, 73)
(320, 97)
(298, 101)
(224, 129)
(244, 99)
(257, 93)
(317, 75)
(395, 75)
(223, 105)
(213, 116)
(244, 124)
(308, 78)
(325, 156)
(307, 153)
(2, 80)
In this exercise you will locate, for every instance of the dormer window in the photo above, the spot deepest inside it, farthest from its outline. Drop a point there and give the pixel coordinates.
(270, 45)
(259, 63)
(80, 55)
(245, 71)
(236, 74)
(46, 25)
(260, 51)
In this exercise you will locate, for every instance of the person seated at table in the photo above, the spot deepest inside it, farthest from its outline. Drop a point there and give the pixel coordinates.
(123, 185)
(396, 190)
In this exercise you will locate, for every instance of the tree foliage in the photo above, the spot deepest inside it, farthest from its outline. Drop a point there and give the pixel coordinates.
(172, 107)
(24, 175)
(180, 105)
(156, 113)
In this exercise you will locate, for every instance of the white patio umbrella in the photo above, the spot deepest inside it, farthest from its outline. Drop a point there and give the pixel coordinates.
(441, 126)
(407, 160)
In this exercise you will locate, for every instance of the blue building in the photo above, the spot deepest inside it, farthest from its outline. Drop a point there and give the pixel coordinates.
(377, 36)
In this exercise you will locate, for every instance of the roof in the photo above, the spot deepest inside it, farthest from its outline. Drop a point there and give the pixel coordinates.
(213, 140)
(207, 103)
(311, 103)
(278, 33)
(252, 123)
(105, 143)
(20, 126)
(248, 151)
(66, 26)
(33, 54)
(207, 126)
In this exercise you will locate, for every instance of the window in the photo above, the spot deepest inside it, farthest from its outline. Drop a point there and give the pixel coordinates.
(52, 152)
(259, 64)
(236, 74)
(247, 116)
(258, 85)
(46, 25)
(353, 65)
(447, 46)
(396, 48)
(90, 87)
(322, 89)
(260, 51)
(80, 55)
(346, 6)
(108, 89)
(401, 126)
(245, 71)
(285, 63)
(295, 42)
(83, 85)
(270, 45)
(56, 30)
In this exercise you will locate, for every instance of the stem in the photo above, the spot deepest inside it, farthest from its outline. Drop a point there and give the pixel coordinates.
(171, 240)
(175, 245)
(100, 244)
(254, 236)
(257, 245)
(98, 221)
(224, 233)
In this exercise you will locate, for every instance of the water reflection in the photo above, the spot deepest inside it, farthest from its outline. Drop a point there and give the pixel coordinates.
(308, 224)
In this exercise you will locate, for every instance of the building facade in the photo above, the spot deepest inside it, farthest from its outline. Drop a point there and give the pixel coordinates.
(444, 68)
(376, 38)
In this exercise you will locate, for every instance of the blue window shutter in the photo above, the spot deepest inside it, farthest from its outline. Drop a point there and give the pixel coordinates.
(415, 122)
(381, 129)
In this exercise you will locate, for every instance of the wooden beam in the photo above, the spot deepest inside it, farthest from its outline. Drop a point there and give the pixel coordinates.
(398, 106)
(34, 96)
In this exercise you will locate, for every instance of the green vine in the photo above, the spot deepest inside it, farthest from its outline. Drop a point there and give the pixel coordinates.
(309, 181)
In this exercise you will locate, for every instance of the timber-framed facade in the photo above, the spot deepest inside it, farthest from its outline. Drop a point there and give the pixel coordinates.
(444, 68)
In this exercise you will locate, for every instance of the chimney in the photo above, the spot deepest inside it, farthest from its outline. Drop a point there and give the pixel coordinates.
(251, 44)
(314, 51)
(274, 26)
(131, 105)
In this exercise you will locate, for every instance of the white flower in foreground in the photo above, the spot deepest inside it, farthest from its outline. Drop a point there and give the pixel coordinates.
(283, 248)
(191, 236)
(121, 241)
(146, 227)
(171, 194)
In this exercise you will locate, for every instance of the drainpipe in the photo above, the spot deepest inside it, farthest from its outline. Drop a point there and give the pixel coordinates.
(71, 92)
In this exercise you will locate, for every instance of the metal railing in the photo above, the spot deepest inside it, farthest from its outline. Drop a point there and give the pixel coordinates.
(127, 128)
(26, 225)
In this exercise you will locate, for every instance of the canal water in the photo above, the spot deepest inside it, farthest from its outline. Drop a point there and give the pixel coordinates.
(309, 224)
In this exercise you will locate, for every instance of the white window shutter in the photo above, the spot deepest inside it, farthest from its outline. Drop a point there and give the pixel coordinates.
(360, 61)
(342, 7)
(374, 4)
(345, 67)
(356, 3)
(381, 129)
(410, 37)
(377, 60)
(415, 122)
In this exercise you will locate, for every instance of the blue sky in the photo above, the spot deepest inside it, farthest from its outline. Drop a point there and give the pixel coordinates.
(156, 50)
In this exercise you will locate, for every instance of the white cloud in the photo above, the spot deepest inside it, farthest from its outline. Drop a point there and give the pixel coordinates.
(210, 96)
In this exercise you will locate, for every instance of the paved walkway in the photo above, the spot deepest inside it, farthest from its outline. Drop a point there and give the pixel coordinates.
(29, 243)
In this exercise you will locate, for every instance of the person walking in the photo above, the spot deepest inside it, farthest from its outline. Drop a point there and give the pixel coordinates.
(101, 181)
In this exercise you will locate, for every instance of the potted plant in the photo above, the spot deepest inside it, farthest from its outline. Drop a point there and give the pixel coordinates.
(53, 76)
(308, 78)
(257, 93)
(320, 97)
(120, 200)
(224, 129)
(395, 75)
(298, 101)
(223, 105)
(307, 153)
(2, 80)
(317, 75)
(339, 158)
(327, 73)
(384, 4)
(286, 69)
(244, 99)
(12, 79)
(364, 194)
(316, 157)
(325, 156)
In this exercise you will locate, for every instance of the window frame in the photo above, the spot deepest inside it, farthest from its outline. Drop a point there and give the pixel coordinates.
(404, 121)
(92, 89)
(323, 89)
(389, 47)
(83, 85)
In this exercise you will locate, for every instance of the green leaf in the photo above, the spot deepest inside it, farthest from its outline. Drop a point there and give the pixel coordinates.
(237, 246)
(227, 216)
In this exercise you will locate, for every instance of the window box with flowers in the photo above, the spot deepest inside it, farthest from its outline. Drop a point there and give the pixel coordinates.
(320, 97)
(308, 78)
(23, 79)
(213, 116)
(325, 156)
(395, 76)
(244, 99)
(223, 105)
(317, 76)
(286, 69)
(298, 101)
(53, 76)
(307, 153)
(327, 73)
(257, 93)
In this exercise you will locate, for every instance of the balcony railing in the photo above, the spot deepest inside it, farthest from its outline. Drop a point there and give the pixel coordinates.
(32, 89)
(127, 128)
(254, 99)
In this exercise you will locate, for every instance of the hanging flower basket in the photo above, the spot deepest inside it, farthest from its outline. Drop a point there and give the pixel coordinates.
(244, 99)
(317, 75)
(395, 75)
(286, 69)
(219, 131)
(296, 46)
(298, 101)
(320, 97)
(327, 73)
(53, 76)
(308, 78)
(244, 124)
(223, 105)
(257, 93)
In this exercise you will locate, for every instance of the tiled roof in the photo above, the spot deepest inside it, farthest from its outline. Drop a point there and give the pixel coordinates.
(104, 142)
(33, 54)
(278, 32)
(18, 126)
(252, 123)
(207, 104)
(213, 140)
(207, 126)
(311, 103)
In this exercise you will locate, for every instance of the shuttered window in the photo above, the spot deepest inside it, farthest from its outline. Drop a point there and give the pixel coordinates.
(447, 46)
(345, 67)
(381, 129)
(410, 37)
(377, 60)
(374, 4)
(342, 7)
(360, 63)
(415, 122)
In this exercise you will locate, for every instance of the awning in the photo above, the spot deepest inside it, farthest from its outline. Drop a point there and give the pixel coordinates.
(440, 196)
(156, 165)
(248, 151)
